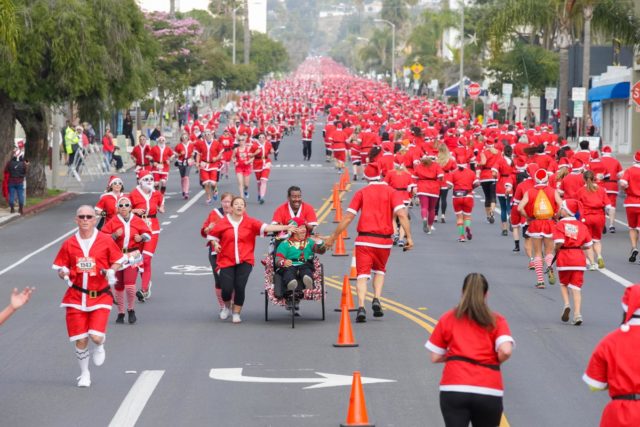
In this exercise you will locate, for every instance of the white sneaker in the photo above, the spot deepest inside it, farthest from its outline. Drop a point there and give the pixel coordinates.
(224, 313)
(84, 380)
(99, 355)
(235, 318)
(593, 267)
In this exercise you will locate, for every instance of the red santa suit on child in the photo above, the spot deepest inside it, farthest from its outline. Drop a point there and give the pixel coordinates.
(574, 237)
(161, 156)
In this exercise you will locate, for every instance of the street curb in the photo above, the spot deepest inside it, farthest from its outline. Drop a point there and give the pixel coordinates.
(39, 207)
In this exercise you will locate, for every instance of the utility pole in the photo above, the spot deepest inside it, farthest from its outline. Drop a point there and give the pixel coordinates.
(233, 14)
(393, 50)
(461, 84)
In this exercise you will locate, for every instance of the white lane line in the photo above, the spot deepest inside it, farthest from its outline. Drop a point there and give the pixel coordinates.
(137, 398)
(166, 223)
(610, 274)
(173, 216)
(191, 202)
(37, 251)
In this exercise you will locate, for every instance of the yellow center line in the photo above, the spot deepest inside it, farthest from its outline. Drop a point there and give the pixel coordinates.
(322, 216)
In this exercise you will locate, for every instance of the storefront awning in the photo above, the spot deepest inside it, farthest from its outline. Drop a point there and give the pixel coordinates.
(614, 91)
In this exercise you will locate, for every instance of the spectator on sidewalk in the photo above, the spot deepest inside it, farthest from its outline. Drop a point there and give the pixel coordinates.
(107, 149)
(127, 128)
(18, 299)
(15, 172)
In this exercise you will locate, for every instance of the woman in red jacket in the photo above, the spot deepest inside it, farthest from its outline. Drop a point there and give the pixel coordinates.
(595, 201)
(234, 240)
(472, 341)
(429, 176)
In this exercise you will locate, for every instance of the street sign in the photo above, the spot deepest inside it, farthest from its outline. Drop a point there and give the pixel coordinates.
(635, 93)
(507, 89)
(551, 93)
(550, 104)
(416, 76)
(474, 90)
(324, 381)
(578, 94)
(578, 109)
(433, 85)
(417, 68)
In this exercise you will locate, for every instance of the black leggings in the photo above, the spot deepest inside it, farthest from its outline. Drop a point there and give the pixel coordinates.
(489, 190)
(213, 260)
(293, 272)
(460, 409)
(184, 170)
(276, 146)
(442, 201)
(233, 280)
(306, 148)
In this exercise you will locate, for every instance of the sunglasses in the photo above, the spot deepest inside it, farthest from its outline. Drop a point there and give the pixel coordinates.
(86, 217)
(125, 205)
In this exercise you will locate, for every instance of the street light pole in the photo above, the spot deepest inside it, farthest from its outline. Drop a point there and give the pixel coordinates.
(233, 55)
(461, 84)
(393, 50)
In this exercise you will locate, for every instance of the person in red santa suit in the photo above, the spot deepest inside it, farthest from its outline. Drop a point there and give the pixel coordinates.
(613, 174)
(338, 140)
(572, 182)
(208, 158)
(140, 154)
(379, 205)
(273, 136)
(571, 238)
(147, 203)
(106, 208)
(488, 163)
(523, 182)
(630, 183)
(462, 181)
(595, 201)
(87, 261)
(504, 187)
(212, 219)
(539, 205)
(306, 129)
(227, 141)
(429, 177)
(161, 156)
(129, 232)
(294, 207)
(261, 150)
(614, 365)
(400, 180)
(185, 152)
(234, 240)
(448, 164)
(243, 158)
(472, 341)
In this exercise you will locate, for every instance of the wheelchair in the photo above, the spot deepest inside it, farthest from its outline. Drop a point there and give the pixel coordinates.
(276, 292)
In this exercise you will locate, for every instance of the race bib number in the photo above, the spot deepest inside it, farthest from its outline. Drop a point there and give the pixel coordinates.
(571, 231)
(86, 265)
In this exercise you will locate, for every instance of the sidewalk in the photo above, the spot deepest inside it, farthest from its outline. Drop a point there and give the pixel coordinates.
(6, 216)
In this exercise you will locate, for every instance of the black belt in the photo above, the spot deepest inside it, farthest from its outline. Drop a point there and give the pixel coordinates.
(129, 250)
(381, 236)
(427, 179)
(609, 180)
(93, 293)
(626, 397)
(144, 164)
(147, 216)
(401, 189)
(474, 362)
(505, 176)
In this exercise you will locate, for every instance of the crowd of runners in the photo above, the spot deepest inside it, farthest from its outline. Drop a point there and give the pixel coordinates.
(557, 203)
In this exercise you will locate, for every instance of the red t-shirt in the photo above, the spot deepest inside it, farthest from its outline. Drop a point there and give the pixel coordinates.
(237, 240)
(464, 337)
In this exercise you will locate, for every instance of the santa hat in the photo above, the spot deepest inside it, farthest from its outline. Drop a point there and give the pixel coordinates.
(564, 163)
(143, 174)
(387, 146)
(372, 172)
(124, 199)
(541, 176)
(607, 149)
(520, 164)
(630, 305)
(572, 206)
(595, 155)
(636, 157)
(20, 144)
(113, 179)
(532, 168)
(577, 164)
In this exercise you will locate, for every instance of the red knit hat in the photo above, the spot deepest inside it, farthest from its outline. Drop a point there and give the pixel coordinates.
(541, 176)
(606, 149)
(577, 164)
(572, 206)
(631, 305)
(636, 157)
(371, 172)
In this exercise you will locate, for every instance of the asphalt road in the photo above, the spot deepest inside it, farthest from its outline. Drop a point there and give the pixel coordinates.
(157, 372)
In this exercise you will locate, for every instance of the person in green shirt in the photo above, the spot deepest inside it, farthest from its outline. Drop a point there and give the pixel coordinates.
(294, 256)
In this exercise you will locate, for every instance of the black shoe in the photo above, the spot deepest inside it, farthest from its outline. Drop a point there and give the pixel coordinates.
(505, 233)
(377, 308)
(140, 295)
(516, 249)
(612, 229)
(634, 255)
(13, 210)
(132, 316)
(361, 316)
(120, 318)
(604, 230)
(491, 219)
(355, 177)
(20, 210)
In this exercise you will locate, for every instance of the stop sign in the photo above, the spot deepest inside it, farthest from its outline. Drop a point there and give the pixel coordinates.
(635, 93)
(474, 90)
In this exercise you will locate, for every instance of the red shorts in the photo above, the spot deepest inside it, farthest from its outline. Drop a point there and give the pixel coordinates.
(208, 177)
(539, 228)
(516, 218)
(263, 174)
(463, 205)
(371, 260)
(595, 224)
(340, 156)
(571, 278)
(245, 170)
(157, 176)
(613, 199)
(633, 215)
(82, 323)
(227, 155)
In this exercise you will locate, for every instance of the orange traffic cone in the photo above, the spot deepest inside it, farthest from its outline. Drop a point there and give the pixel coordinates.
(336, 197)
(342, 185)
(339, 250)
(346, 176)
(345, 334)
(353, 274)
(346, 298)
(338, 216)
(357, 413)
(345, 236)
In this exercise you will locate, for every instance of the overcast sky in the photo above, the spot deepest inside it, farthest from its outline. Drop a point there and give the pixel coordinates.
(163, 5)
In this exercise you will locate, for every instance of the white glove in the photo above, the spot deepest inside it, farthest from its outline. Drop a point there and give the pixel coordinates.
(110, 274)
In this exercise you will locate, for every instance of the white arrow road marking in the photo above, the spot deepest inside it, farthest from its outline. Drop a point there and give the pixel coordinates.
(137, 398)
(327, 380)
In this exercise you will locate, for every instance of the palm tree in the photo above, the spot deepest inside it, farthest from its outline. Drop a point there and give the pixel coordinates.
(556, 21)
(9, 27)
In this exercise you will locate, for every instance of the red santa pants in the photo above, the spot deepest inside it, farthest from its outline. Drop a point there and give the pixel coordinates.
(633, 215)
(208, 176)
(371, 260)
(82, 323)
(595, 224)
(463, 205)
(263, 174)
(571, 278)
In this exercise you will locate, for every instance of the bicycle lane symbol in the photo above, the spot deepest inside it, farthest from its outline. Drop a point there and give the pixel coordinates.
(189, 270)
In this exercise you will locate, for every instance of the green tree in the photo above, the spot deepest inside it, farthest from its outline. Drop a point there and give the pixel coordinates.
(9, 28)
(69, 51)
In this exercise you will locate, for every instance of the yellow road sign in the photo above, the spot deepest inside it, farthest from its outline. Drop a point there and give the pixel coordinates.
(417, 68)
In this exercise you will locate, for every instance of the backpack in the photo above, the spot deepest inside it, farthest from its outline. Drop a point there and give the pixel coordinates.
(542, 207)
